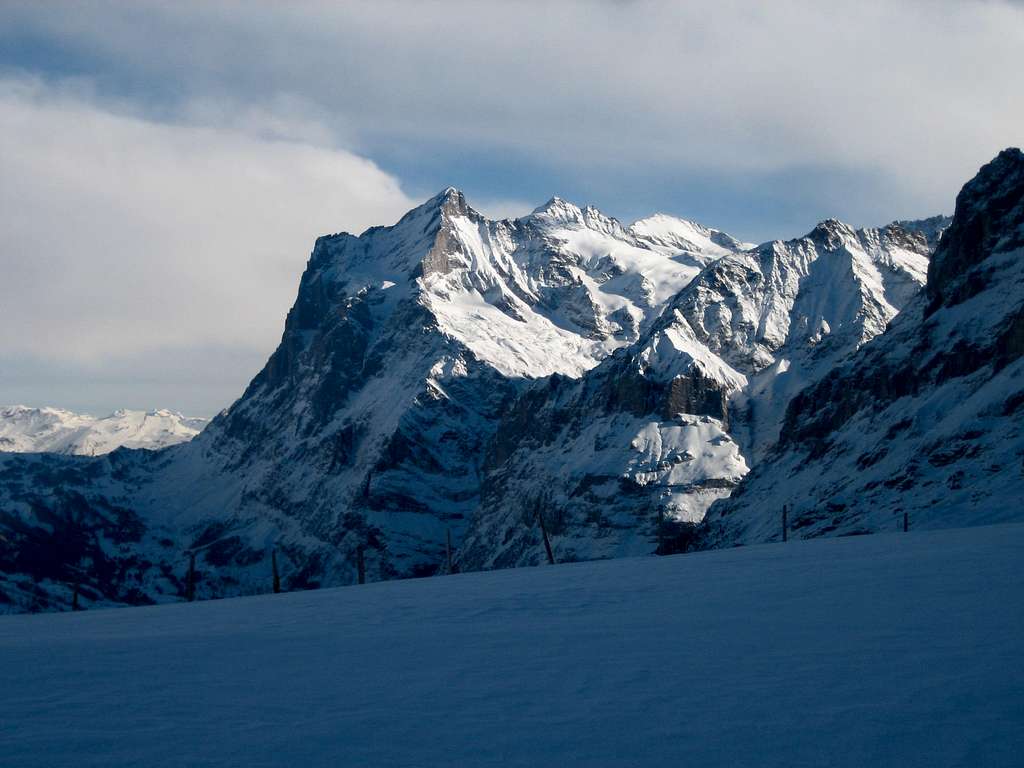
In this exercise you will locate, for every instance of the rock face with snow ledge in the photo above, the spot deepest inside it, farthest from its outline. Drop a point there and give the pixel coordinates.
(927, 418)
(55, 430)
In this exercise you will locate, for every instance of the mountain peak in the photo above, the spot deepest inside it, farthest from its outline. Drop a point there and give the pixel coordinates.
(558, 208)
(447, 194)
(830, 234)
(831, 228)
(449, 200)
(558, 213)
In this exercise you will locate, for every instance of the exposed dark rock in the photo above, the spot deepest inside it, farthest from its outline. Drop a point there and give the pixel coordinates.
(989, 217)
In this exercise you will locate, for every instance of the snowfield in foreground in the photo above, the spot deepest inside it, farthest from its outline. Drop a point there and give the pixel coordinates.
(894, 649)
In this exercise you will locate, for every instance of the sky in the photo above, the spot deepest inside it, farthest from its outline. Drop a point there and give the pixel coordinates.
(165, 167)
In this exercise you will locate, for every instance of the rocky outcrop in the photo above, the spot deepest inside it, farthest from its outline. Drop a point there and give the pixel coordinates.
(988, 219)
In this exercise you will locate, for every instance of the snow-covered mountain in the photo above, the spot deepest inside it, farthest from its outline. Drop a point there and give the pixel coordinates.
(649, 439)
(925, 420)
(366, 430)
(553, 292)
(370, 423)
(54, 430)
(456, 379)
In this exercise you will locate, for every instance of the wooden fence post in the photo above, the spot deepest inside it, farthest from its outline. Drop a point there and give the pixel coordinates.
(544, 534)
(661, 531)
(190, 585)
(277, 576)
(448, 548)
(906, 523)
(785, 522)
(360, 565)
(74, 599)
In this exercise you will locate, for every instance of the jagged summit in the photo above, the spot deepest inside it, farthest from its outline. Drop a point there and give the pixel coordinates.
(554, 291)
(450, 201)
(558, 213)
(554, 204)
(931, 228)
(832, 233)
(447, 196)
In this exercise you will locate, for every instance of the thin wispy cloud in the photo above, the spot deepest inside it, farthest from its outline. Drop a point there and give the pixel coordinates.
(593, 89)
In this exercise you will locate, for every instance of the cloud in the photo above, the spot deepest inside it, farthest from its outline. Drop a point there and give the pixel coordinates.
(121, 236)
(918, 94)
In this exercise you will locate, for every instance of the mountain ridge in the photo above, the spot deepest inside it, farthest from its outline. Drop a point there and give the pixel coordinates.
(416, 360)
(660, 431)
(25, 429)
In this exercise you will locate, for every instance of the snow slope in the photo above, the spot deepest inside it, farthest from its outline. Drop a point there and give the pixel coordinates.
(898, 649)
(54, 430)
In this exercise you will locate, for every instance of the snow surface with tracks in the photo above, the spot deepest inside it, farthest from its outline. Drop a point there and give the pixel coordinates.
(893, 649)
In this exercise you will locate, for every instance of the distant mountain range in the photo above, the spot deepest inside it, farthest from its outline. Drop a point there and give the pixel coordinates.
(54, 430)
(621, 389)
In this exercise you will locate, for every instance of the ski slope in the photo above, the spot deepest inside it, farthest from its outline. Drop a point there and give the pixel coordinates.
(893, 649)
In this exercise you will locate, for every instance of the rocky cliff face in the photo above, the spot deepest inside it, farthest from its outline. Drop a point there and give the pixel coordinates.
(925, 419)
